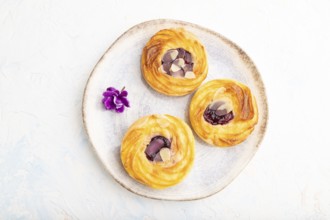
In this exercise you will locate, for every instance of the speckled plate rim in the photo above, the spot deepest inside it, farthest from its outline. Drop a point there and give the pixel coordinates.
(243, 56)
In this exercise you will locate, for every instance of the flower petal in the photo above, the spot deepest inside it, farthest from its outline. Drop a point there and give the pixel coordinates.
(109, 93)
(113, 106)
(125, 101)
(124, 93)
(120, 109)
(111, 89)
(108, 105)
(117, 100)
(115, 91)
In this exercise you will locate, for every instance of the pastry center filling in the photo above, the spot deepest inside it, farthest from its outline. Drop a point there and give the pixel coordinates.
(178, 63)
(219, 113)
(158, 149)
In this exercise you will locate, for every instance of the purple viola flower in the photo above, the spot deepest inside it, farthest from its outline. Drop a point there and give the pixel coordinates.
(115, 100)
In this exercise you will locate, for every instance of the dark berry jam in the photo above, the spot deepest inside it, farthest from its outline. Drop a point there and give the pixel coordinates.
(217, 117)
(154, 147)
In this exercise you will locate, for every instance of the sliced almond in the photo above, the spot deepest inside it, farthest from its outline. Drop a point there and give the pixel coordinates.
(219, 93)
(190, 75)
(169, 56)
(165, 154)
(226, 106)
(216, 105)
(175, 68)
(179, 62)
(179, 73)
(221, 112)
(174, 54)
(221, 90)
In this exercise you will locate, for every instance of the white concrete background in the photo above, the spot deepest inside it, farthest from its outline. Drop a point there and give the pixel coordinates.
(47, 167)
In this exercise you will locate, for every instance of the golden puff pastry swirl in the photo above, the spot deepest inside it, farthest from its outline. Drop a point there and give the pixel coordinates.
(174, 62)
(158, 150)
(223, 112)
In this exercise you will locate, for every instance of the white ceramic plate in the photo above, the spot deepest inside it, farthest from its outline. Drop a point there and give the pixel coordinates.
(214, 167)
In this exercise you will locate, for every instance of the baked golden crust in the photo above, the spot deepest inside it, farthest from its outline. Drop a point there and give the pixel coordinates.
(160, 174)
(243, 105)
(151, 62)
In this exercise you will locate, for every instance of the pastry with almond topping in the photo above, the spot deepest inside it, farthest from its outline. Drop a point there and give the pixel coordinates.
(158, 150)
(223, 112)
(174, 62)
